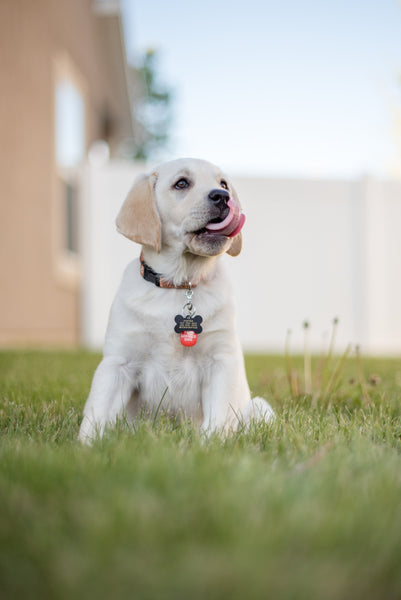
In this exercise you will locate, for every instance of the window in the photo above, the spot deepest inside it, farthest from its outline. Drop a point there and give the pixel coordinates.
(71, 217)
(70, 124)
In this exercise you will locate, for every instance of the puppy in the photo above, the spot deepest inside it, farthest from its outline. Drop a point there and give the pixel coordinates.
(171, 341)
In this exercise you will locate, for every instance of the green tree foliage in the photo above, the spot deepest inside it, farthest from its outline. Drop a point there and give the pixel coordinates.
(152, 109)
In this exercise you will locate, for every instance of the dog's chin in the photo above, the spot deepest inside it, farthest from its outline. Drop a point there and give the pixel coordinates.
(205, 243)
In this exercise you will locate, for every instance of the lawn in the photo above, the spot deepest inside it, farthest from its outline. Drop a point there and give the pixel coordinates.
(308, 508)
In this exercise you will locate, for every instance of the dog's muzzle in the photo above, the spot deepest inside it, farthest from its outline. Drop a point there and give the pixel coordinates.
(231, 219)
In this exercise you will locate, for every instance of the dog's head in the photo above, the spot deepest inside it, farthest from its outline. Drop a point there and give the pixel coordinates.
(186, 203)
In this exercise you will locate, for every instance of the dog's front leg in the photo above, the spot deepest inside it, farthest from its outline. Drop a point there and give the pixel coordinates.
(225, 391)
(110, 393)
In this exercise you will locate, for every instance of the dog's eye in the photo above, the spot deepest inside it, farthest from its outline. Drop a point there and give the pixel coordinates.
(181, 184)
(224, 184)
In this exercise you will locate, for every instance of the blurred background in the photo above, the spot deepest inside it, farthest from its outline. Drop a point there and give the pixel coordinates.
(299, 102)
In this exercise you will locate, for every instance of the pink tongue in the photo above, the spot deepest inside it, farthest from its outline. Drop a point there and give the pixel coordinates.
(232, 224)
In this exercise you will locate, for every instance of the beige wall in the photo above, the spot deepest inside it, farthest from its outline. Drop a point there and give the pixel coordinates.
(39, 297)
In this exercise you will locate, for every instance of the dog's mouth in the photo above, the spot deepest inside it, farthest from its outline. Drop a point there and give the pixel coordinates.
(228, 224)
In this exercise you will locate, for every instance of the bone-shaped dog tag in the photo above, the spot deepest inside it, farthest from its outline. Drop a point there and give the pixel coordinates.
(188, 327)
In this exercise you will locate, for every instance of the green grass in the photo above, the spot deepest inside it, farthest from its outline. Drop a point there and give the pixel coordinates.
(309, 508)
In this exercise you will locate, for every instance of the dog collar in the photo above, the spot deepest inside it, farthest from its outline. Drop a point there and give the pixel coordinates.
(157, 279)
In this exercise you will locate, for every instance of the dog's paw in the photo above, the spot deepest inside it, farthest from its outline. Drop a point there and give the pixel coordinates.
(89, 431)
(258, 409)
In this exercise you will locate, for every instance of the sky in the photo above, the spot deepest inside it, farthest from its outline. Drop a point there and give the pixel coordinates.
(279, 88)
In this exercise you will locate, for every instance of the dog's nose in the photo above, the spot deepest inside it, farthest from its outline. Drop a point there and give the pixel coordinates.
(219, 197)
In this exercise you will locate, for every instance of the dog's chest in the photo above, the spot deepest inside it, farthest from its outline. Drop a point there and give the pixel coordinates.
(176, 373)
(171, 369)
(142, 329)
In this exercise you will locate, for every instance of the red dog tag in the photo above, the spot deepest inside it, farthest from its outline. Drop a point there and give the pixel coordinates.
(188, 338)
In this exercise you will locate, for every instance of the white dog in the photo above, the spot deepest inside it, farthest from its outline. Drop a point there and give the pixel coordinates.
(161, 350)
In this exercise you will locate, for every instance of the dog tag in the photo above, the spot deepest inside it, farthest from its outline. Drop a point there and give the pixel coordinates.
(188, 338)
(188, 327)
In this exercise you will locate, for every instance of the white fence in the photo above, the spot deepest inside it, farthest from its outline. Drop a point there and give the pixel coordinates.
(313, 250)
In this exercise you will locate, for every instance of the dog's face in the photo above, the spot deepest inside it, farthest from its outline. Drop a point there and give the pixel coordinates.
(187, 204)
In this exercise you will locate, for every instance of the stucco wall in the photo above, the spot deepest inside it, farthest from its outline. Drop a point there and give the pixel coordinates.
(39, 304)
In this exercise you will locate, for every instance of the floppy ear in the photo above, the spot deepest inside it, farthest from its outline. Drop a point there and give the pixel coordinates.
(236, 244)
(138, 219)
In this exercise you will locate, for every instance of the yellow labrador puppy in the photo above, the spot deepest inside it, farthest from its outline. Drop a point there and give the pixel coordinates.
(171, 340)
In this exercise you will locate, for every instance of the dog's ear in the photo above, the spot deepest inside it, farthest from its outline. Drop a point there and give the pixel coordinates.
(138, 219)
(236, 244)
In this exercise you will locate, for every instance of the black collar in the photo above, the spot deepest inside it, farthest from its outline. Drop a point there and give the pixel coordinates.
(157, 279)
